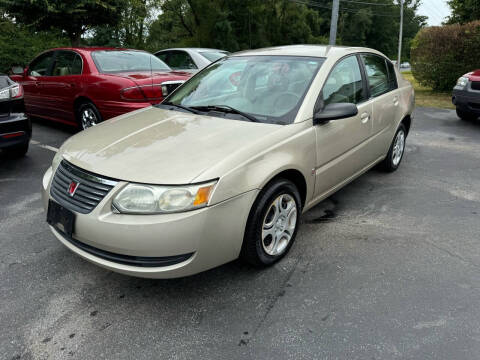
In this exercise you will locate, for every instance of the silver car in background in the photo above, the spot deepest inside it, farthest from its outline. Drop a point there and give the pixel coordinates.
(190, 59)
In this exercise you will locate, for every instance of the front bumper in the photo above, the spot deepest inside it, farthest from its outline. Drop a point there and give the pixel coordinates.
(210, 236)
(15, 130)
(466, 99)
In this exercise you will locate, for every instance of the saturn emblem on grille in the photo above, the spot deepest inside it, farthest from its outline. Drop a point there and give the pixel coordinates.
(72, 188)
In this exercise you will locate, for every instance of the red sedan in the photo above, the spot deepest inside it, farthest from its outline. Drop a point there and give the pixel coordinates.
(84, 86)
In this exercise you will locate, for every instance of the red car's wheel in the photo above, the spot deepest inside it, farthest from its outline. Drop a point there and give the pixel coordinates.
(88, 115)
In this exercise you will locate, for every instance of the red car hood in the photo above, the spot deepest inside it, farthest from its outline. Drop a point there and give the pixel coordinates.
(474, 75)
(146, 77)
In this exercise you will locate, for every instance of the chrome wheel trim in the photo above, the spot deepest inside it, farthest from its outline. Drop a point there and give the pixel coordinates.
(279, 224)
(398, 148)
(88, 118)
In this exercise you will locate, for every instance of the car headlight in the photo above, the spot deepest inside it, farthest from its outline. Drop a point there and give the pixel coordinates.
(462, 81)
(56, 160)
(152, 199)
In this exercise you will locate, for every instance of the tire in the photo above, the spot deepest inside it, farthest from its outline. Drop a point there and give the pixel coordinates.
(259, 249)
(17, 151)
(88, 115)
(396, 151)
(466, 115)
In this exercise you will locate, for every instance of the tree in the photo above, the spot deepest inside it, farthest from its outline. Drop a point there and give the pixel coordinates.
(74, 17)
(464, 11)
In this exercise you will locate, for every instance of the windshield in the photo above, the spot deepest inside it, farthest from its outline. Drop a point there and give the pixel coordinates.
(111, 61)
(213, 55)
(270, 88)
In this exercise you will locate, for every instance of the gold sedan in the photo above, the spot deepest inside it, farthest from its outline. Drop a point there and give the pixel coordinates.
(226, 165)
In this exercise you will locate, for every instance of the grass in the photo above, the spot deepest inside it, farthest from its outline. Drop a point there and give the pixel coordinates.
(425, 96)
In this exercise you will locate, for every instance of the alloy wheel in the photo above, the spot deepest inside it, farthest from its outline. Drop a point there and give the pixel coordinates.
(398, 148)
(89, 118)
(279, 224)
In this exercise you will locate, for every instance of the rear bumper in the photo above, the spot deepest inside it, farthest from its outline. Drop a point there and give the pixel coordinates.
(466, 99)
(15, 129)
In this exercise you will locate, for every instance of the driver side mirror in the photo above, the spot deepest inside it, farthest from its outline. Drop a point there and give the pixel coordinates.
(335, 111)
(18, 70)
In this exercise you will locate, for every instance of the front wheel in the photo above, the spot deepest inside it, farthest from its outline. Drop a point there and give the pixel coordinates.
(88, 115)
(272, 224)
(396, 151)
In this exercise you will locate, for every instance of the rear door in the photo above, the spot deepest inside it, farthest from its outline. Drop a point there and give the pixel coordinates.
(39, 69)
(61, 88)
(343, 147)
(384, 91)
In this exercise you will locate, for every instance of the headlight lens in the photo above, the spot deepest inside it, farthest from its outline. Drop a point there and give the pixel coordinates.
(462, 81)
(151, 199)
(56, 160)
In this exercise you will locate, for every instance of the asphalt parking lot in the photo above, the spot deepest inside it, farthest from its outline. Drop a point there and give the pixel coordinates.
(388, 268)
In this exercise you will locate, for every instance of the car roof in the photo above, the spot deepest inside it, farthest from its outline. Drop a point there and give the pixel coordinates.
(307, 50)
(92, 48)
(193, 49)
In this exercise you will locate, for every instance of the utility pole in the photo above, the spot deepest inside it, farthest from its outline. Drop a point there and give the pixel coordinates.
(400, 36)
(334, 21)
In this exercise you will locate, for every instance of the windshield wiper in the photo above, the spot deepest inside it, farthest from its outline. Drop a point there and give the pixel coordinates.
(181, 107)
(226, 109)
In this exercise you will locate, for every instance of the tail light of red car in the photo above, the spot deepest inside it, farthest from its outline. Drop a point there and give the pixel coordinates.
(142, 93)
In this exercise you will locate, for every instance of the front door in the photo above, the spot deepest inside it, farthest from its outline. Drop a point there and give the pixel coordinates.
(343, 147)
(60, 89)
(38, 70)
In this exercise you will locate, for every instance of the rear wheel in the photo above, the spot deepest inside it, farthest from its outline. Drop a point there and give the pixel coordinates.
(395, 153)
(88, 115)
(466, 115)
(272, 224)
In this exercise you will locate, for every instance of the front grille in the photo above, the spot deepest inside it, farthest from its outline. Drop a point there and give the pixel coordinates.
(91, 188)
(476, 85)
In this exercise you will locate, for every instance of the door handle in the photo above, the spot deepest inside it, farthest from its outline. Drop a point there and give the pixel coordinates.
(365, 117)
(395, 101)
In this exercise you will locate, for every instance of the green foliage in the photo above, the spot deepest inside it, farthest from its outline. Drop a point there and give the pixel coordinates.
(18, 45)
(440, 55)
(241, 24)
(74, 17)
(464, 11)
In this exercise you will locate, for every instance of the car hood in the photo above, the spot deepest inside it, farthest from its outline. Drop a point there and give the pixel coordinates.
(159, 146)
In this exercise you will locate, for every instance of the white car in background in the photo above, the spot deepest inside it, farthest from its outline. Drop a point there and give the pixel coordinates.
(190, 59)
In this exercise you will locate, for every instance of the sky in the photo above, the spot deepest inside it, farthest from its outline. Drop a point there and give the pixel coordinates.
(436, 10)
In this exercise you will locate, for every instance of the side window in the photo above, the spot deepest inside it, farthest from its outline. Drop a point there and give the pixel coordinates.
(180, 60)
(41, 65)
(344, 84)
(163, 56)
(392, 76)
(67, 63)
(377, 74)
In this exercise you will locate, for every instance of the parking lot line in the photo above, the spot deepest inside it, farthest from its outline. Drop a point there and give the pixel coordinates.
(48, 147)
